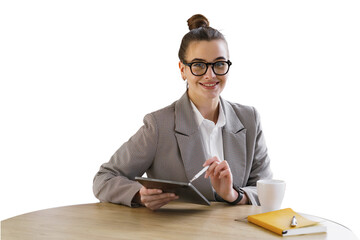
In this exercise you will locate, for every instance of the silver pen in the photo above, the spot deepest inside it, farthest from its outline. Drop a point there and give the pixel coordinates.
(199, 173)
(293, 222)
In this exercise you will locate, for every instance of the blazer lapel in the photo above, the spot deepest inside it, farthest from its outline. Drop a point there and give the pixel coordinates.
(190, 145)
(234, 143)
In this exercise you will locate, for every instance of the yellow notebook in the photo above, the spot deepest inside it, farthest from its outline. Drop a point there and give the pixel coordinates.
(279, 222)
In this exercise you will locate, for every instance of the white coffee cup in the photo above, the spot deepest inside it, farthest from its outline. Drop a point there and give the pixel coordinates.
(271, 193)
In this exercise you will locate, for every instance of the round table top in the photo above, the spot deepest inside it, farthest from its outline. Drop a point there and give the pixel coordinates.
(174, 221)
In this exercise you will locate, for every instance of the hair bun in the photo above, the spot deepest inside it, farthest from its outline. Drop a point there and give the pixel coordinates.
(197, 21)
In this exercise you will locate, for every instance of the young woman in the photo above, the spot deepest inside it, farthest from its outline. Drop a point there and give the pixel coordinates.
(200, 129)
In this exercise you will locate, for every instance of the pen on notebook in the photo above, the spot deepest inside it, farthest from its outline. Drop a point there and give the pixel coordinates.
(293, 222)
(199, 173)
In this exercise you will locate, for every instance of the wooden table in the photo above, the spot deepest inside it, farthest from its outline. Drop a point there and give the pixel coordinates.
(173, 221)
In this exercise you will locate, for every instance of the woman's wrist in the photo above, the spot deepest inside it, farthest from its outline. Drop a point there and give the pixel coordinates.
(244, 200)
(137, 199)
(232, 196)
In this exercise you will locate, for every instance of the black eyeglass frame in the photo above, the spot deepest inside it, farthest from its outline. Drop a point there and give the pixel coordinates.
(207, 66)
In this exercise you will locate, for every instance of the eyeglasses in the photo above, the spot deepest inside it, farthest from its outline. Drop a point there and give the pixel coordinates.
(220, 68)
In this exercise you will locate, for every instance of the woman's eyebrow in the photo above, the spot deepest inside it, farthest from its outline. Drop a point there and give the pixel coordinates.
(219, 58)
(198, 60)
(203, 60)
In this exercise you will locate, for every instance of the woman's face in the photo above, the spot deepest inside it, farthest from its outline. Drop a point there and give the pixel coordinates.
(208, 86)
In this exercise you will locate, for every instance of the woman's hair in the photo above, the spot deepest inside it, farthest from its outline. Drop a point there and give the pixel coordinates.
(199, 31)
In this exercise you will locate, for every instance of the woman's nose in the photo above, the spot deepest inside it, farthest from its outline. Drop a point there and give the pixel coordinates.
(210, 73)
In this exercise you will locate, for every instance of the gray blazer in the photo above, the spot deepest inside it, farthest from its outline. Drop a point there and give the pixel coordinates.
(169, 146)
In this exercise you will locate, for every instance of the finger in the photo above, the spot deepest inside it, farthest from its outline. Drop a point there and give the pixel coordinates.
(153, 191)
(158, 197)
(147, 195)
(210, 161)
(148, 191)
(213, 162)
(221, 167)
(211, 169)
(225, 174)
(155, 204)
(161, 202)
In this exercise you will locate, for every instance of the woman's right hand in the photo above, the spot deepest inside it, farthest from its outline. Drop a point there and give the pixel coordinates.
(155, 198)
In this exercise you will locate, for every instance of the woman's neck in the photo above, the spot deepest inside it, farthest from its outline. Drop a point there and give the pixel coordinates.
(209, 108)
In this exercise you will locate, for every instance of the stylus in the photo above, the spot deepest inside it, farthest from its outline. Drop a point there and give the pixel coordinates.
(199, 173)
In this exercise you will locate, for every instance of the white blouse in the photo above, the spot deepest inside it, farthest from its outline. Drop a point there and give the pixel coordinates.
(211, 133)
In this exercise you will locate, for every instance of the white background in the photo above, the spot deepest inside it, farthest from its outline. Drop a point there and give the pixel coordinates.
(77, 77)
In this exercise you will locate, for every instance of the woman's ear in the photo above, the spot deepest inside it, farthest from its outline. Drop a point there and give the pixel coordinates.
(182, 70)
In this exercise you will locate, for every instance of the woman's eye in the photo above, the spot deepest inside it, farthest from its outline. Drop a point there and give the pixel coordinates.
(219, 64)
(199, 65)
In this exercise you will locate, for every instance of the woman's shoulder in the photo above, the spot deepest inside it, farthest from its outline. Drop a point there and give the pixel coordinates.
(168, 113)
(170, 109)
(163, 116)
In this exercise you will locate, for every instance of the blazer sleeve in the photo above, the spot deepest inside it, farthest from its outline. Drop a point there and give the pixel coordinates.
(261, 163)
(114, 182)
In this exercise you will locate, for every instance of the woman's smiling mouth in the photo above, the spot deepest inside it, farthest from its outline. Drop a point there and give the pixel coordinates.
(209, 85)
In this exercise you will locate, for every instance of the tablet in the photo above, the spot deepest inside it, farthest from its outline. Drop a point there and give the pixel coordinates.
(186, 191)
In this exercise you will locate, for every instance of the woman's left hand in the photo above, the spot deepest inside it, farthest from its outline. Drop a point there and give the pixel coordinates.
(221, 178)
